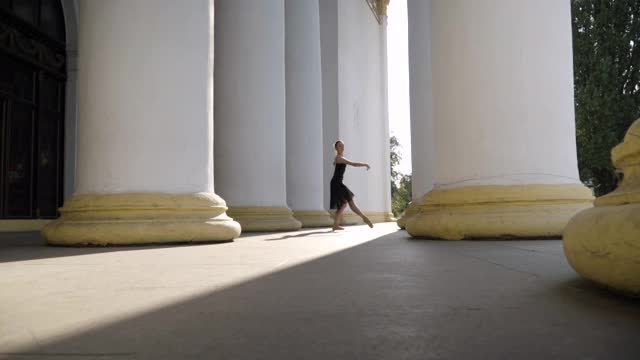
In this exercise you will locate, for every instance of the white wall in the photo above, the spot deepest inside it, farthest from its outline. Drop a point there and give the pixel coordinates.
(363, 109)
(503, 92)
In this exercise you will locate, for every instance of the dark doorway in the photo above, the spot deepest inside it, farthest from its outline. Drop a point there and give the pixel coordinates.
(32, 87)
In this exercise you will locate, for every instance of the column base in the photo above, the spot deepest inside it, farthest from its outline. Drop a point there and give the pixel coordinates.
(141, 218)
(603, 243)
(411, 210)
(264, 218)
(348, 218)
(23, 225)
(310, 219)
(497, 212)
(380, 217)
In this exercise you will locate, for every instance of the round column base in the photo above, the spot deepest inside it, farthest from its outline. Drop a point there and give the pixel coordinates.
(411, 210)
(380, 217)
(141, 218)
(603, 245)
(498, 212)
(310, 219)
(348, 218)
(264, 218)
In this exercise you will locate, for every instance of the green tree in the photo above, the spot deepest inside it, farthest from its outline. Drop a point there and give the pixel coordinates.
(394, 147)
(606, 36)
(400, 183)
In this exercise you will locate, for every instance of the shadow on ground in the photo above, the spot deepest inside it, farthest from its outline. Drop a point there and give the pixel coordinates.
(20, 246)
(299, 235)
(385, 299)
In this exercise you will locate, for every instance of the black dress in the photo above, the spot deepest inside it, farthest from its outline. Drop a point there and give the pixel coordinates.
(340, 194)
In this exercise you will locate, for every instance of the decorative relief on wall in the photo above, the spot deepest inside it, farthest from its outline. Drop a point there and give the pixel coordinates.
(379, 8)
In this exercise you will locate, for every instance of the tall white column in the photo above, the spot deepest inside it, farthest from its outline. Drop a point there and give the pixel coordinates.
(305, 182)
(145, 131)
(503, 133)
(250, 125)
(329, 49)
(71, 96)
(421, 104)
(387, 215)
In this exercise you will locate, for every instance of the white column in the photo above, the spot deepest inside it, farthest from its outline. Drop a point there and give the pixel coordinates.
(504, 133)
(421, 107)
(145, 150)
(329, 57)
(421, 93)
(250, 139)
(305, 182)
(385, 150)
(70, 9)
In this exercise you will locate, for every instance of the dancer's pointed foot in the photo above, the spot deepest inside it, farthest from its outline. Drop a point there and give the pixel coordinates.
(367, 221)
(338, 228)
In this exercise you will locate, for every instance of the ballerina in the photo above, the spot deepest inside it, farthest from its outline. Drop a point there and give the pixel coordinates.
(340, 194)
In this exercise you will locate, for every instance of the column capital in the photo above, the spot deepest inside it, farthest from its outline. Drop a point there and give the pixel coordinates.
(381, 7)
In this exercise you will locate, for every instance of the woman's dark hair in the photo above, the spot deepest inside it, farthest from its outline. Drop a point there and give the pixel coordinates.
(335, 144)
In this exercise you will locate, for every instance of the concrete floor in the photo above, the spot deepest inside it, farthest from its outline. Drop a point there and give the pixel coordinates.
(312, 294)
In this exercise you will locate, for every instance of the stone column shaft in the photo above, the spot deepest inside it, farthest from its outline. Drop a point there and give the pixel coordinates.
(305, 183)
(250, 163)
(144, 171)
(503, 132)
(421, 107)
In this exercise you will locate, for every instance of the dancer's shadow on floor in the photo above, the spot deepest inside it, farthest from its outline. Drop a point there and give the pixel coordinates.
(297, 235)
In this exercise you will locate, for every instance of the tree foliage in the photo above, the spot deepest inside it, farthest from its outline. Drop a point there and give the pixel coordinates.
(606, 36)
(400, 183)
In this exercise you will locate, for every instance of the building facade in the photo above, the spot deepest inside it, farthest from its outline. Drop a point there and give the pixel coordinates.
(151, 121)
(169, 118)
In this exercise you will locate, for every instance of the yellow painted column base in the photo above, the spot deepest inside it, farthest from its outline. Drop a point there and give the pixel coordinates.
(264, 218)
(348, 218)
(23, 225)
(141, 218)
(411, 210)
(380, 217)
(496, 212)
(310, 219)
(603, 244)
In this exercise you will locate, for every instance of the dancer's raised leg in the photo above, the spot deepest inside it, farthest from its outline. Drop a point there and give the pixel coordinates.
(355, 209)
(336, 221)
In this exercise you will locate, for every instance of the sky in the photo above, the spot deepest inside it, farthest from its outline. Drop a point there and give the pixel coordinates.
(398, 85)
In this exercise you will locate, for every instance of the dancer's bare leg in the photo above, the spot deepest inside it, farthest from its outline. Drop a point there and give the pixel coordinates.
(355, 209)
(336, 220)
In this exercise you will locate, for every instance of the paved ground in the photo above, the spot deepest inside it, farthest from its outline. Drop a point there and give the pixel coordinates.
(360, 294)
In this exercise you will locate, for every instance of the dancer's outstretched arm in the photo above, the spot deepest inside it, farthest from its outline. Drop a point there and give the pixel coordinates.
(343, 160)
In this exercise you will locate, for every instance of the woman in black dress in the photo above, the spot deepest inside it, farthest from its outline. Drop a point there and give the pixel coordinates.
(340, 194)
